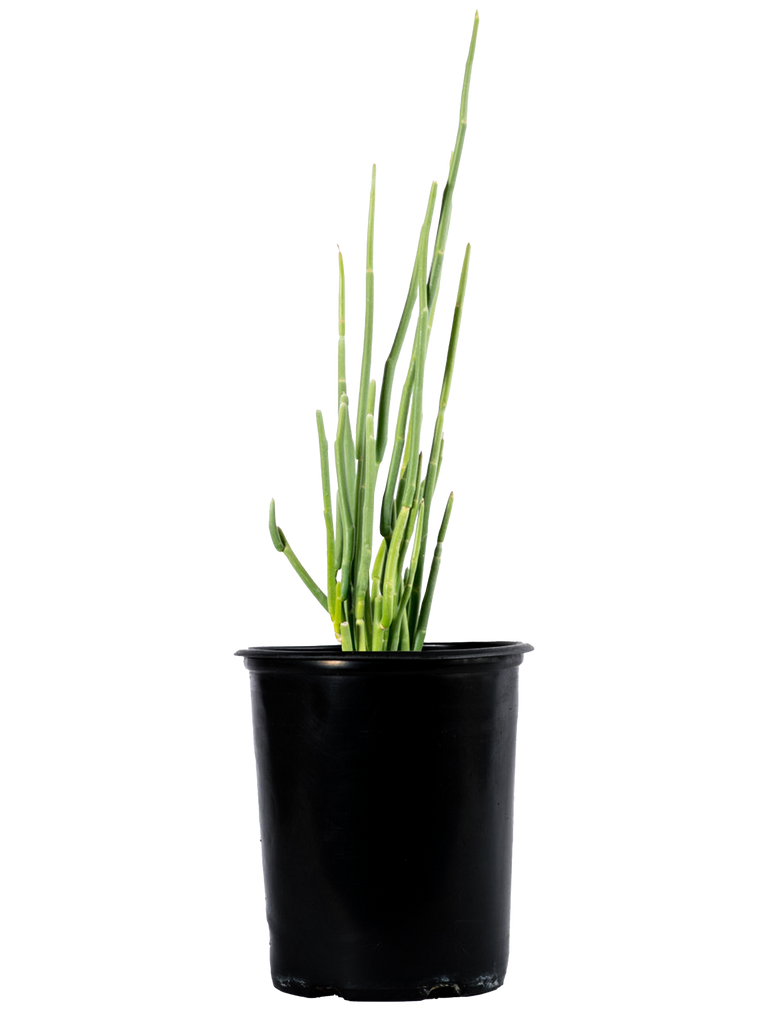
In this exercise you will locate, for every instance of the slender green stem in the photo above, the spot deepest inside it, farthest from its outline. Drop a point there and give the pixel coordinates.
(349, 464)
(390, 572)
(378, 631)
(411, 479)
(365, 372)
(277, 535)
(386, 524)
(413, 516)
(333, 587)
(447, 201)
(341, 388)
(347, 643)
(407, 450)
(402, 330)
(347, 527)
(405, 640)
(337, 612)
(402, 611)
(445, 391)
(400, 596)
(422, 548)
(325, 561)
(382, 611)
(301, 571)
(400, 496)
(366, 539)
(437, 435)
(389, 507)
(327, 513)
(378, 570)
(426, 607)
(282, 545)
(393, 635)
(342, 363)
(362, 640)
(367, 469)
(441, 239)
(425, 616)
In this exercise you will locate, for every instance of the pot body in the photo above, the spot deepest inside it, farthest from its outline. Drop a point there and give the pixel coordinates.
(385, 787)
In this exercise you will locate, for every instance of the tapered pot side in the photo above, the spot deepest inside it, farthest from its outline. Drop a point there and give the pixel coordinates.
(385, 788)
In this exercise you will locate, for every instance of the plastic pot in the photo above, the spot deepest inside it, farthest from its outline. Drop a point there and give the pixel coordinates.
(385, 801)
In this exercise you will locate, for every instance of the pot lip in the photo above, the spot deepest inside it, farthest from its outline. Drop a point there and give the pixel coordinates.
(469, 650)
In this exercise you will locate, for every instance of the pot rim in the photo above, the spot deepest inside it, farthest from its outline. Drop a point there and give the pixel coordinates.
(470, 650)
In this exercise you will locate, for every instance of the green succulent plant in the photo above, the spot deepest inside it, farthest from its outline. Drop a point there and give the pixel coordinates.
(381, 603)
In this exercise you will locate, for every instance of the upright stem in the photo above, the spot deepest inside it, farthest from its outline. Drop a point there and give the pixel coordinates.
(342, 364)
(402, 330)
(365, 372)
(383, 611)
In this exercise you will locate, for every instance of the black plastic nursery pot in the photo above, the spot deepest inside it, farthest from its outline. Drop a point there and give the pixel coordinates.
(386, 786)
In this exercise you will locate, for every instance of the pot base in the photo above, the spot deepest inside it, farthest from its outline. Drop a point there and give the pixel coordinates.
(439, 991)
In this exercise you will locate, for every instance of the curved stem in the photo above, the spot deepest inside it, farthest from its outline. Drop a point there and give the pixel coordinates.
(302, 573)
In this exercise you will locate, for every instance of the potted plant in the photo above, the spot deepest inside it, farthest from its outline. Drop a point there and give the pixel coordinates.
(385, 766)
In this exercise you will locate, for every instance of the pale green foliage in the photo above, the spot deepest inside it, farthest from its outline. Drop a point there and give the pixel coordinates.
(380, 607)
